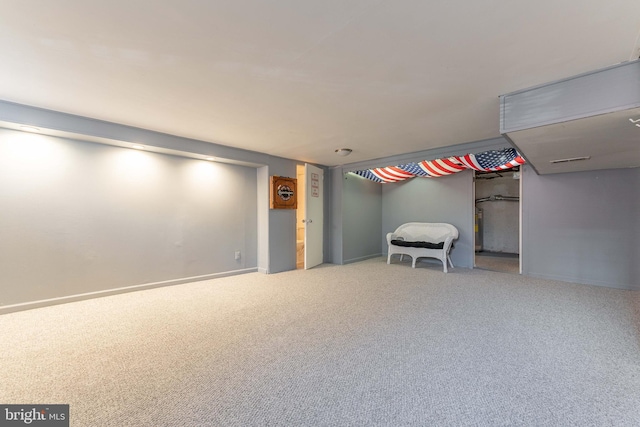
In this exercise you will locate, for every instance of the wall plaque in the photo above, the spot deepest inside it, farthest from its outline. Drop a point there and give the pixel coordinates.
(284, 193)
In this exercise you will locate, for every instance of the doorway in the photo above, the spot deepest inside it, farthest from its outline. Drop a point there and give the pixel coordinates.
(497, 220)
(309, 216)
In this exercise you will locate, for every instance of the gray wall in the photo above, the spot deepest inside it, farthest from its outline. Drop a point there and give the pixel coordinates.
(88, 129)
(80, 217)
(282, 225)
(447, 199)
(583, 227)
(335, 225)
(361, 218)
(327, 214)
(263, 218)
(276, 238)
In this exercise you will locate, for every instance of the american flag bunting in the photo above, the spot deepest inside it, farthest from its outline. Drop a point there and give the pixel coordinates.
(489, 161)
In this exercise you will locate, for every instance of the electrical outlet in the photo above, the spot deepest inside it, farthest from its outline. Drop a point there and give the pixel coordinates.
(237, 254)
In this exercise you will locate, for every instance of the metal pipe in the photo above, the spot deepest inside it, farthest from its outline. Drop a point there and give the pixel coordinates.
(498, 197)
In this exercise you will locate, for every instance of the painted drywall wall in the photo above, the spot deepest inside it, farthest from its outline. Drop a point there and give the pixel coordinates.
(80, 217)
(327, 212)
(274, 225)
(582, 227)
(262, 174)
(413, 200)
(635, 304)
(361, 218)
(500, 218)
(448, 199)
(336, 177)
(282, 225)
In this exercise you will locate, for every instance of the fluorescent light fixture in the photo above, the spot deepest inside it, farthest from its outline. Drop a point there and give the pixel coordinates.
(570, 159)
(211, 159)
(29, 128)
(138, 146)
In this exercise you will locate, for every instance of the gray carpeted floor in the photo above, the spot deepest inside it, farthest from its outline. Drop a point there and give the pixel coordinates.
(361, 344)
(507, 263)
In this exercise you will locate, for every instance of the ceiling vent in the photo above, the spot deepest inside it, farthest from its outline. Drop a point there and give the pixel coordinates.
(572, 159)
(589, 116)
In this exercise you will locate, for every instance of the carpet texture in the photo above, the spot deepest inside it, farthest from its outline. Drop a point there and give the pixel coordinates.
(498, 262)
(361, 344)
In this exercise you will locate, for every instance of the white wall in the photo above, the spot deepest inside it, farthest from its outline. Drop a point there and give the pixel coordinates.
(79, 217)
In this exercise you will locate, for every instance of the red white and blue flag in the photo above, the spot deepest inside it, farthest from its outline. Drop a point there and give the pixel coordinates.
(442, 167)
(489, 161)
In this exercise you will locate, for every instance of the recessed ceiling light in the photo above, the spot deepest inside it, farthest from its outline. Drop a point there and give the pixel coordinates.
(29, 129)
(138, 146)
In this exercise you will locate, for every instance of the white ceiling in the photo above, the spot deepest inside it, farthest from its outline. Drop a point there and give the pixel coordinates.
(610, 141)
(299, 79)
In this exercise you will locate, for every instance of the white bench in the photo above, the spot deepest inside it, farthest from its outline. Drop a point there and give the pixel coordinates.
(422, 240)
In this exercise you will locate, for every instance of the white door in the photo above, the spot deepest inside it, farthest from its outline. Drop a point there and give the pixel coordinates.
(313, 208)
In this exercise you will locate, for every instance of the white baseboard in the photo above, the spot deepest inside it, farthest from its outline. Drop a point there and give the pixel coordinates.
(107, 292)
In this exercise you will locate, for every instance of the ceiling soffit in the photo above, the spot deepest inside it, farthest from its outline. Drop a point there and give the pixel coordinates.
(584, 122)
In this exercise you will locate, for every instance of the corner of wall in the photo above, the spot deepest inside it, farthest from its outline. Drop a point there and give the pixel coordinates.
(263, 219)
(337, 183)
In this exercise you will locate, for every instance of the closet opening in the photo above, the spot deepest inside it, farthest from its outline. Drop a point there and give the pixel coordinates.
(497, 220)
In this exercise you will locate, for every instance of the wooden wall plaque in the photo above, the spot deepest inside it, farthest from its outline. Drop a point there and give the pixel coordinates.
(284, 192)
